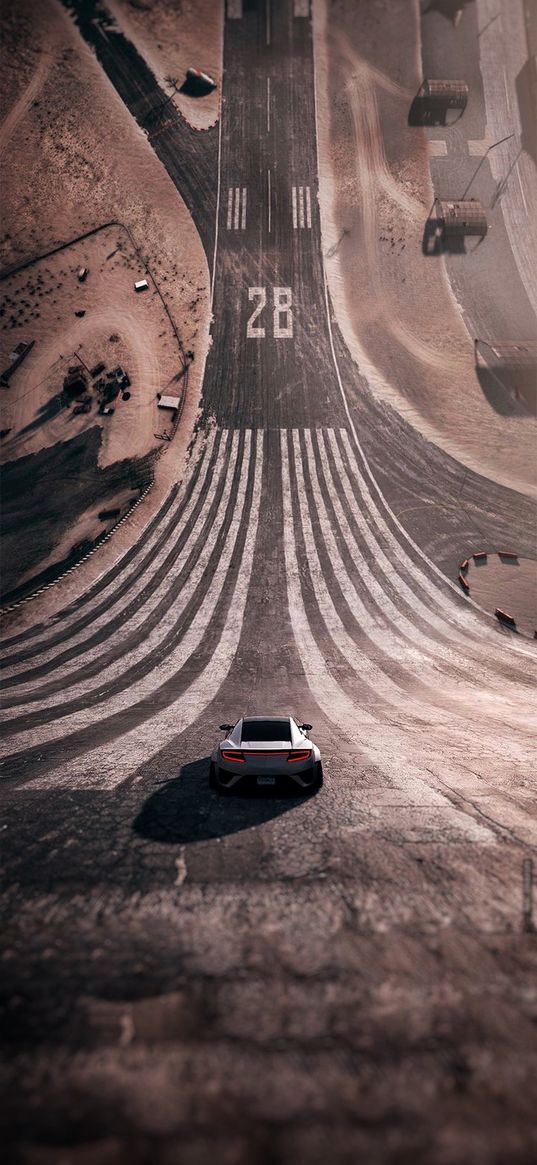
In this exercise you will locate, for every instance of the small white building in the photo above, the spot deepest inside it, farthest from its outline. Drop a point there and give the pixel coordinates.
(141, 285)
(169, 402)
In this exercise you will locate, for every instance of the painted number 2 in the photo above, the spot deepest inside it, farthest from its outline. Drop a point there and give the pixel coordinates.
(282, 316)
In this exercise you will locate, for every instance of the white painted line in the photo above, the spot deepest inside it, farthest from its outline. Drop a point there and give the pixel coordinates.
(506, 86)
(237, 207)
(308, 207)
(379, 741)
(267, 10)
(99, 28)
(114, 603)
(295, 219)
(217, 207)
(268, 104)
(229, 207)
(457, 615)
(437, 149)
(243, 217)
(269, 202)
(115, 670)
(408, 643)
(521, 189)
(301, 206)
(145, 686)
(106, 766)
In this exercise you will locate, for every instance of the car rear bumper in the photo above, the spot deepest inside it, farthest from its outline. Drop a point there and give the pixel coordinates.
(260, 777)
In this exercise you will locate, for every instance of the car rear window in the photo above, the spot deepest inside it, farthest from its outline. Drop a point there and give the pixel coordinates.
(266, 730)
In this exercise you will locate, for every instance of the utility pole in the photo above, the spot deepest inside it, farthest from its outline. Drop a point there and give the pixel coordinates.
(485, 155)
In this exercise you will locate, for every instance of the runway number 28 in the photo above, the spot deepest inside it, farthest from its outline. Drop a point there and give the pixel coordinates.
(282, 317)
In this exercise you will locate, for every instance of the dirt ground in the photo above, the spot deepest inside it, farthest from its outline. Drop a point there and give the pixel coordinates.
(84, 163)
(173, 35)
(508, 583)
(119, 327)
(394, 306)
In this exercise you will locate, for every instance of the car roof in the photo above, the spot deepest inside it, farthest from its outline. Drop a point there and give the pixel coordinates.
(285, 716)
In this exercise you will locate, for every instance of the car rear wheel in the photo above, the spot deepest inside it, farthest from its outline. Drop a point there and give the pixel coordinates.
(214, 783)
(317, 782)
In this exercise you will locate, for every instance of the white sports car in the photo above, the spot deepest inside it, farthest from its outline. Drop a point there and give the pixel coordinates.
(264, 751)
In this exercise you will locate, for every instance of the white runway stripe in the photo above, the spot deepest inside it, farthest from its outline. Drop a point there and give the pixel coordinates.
(144, 546)
(456, 621)
(301, 206)
(422, 653)
(107, 766)
(236, 208)
(362, 660)
(115, 607)
(164, 669)
(167, 620)
(378, 743)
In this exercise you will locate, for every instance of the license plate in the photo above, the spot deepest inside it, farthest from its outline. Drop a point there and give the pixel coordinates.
(266, 780)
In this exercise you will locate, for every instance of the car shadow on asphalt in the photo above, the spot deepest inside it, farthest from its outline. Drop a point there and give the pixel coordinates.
(184, 809)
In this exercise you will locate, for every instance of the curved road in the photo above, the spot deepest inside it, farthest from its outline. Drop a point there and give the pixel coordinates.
(273, 979)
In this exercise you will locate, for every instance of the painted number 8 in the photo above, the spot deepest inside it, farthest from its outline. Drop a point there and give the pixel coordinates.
(282, 316)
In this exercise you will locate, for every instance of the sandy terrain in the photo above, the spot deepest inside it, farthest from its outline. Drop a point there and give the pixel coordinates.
(394, 305)
(173, 35)
(85, 163)
(507, 583)
(120, 327)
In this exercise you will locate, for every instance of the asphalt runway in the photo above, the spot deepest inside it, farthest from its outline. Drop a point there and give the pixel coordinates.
(336, 978)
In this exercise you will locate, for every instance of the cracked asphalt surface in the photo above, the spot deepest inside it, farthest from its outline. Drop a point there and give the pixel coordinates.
(262, 977)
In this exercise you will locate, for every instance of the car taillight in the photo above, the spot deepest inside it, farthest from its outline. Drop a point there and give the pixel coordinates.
(231, 754)
(299, 754)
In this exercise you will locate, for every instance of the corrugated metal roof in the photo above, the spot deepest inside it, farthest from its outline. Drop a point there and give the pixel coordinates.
(462, 217)
(445, 90)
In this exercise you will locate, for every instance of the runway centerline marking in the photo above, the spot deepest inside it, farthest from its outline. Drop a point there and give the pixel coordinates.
(268, 104)
(269, 202)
